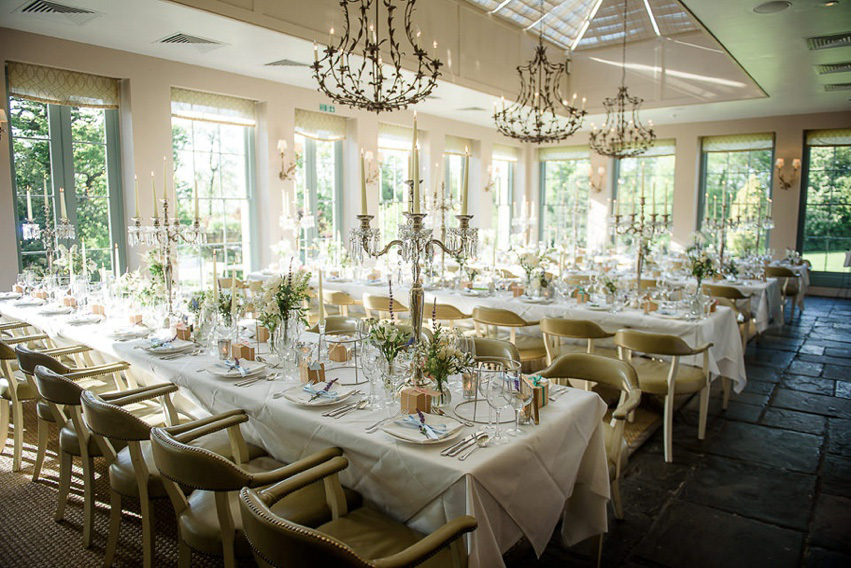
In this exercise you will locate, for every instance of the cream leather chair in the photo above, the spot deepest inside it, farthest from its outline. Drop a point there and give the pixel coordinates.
(488, 322)
(444, 313)
(381, 305)
(486, 349)
(614, 373)
(93, 376)
(556, 329)
(338, 324)
(208, 519)
(338, 299)
(667, 378)
(352, 538)
(737, 301)
(789, 286)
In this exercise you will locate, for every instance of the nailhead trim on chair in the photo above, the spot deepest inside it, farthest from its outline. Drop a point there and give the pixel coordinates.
(202, 451)
(99, 402)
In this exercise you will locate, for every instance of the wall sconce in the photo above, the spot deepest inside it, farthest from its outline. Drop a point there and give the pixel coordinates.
(489, 184)
(778, 166)
(597, 185)
(371, 168)
(287, 171)
(3, 122)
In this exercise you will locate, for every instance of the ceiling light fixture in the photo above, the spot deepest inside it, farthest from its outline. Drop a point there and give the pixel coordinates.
(352, 71)
(585, 25)
(622, 135)
(534, 117)
(652, 18)
(772, 7)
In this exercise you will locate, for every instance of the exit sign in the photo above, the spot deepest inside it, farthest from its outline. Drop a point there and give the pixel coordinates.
(327, 108)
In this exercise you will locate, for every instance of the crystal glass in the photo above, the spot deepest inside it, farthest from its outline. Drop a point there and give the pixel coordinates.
(495, 389)
(521, 393)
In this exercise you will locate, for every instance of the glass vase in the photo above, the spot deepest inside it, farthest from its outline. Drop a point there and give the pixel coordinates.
(444, 396)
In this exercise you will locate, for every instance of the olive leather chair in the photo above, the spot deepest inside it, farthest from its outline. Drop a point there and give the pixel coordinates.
(490, 321)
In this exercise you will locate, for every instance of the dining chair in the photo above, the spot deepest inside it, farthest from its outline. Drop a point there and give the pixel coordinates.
(505, 273)
(28, 359)
(740, 303)
(125, 441)
(789, 283)
(208, 519)
(554, 330)
(338, 324)
(487, 349)
(354, 537)
(445, 313)
(578, 279)
(614, 373)
(15, 390)
(489, 321)
(225, 283)
(381, 304)
(339, 299)
(667, 378)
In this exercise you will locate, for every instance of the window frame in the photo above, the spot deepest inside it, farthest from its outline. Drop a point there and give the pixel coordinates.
(510, 199)
(311, 193)
(542, 192)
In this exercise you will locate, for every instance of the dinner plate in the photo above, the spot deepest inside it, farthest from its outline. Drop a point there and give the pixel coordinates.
(297, 395)
(25, 302)
(251, 368)
(375, 283)
(536, 300)
(9, 295)
(598, 307)
(56, 310)
(131, 332)
(171, 347)
(86, 319)
(339, 279)
(412, 435)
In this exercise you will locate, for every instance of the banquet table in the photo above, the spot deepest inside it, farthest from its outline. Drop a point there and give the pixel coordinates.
(726, 357)
(557, 471)
(803, 272)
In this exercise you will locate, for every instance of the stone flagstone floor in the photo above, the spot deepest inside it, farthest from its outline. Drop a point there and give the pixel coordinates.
(771, 483)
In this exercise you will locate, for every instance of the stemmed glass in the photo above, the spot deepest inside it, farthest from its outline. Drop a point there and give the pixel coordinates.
(521, 393)
(495, 389)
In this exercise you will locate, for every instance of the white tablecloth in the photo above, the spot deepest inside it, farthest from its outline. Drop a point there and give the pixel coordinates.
(803, 281)
(558, 471)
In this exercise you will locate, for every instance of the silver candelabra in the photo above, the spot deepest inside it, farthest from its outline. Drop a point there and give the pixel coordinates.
(644, 227)
(49, 234)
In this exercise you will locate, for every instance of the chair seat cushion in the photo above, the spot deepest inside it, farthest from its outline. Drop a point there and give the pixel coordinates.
(653, 377)
(122, 477)
(42, 409)
(219, 442)
(373, 535)
(199, 524)
(24, 390)
(70, 443)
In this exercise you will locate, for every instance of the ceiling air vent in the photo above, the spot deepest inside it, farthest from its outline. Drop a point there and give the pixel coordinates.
(471, 109)
(200, 44)
(826, 42)
(58, 12)
(834, 68)
(837, 87)
(286, 63)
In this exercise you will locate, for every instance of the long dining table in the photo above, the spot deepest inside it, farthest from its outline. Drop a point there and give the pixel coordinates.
(557, 471)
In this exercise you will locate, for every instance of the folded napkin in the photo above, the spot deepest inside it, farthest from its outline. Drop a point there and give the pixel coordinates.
(157, 343)
(323, 392)
(430, 431)
(234, 366)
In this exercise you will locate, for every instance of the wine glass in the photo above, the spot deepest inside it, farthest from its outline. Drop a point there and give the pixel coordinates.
(496, 391)
(520, 394)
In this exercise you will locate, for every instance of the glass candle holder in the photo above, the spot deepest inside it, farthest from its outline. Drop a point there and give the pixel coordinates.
(224, 348)
(468, 385)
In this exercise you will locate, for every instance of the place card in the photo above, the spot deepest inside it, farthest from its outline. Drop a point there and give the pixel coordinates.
(40, 294)
(69, 301)
(261, 334)
(18, 289)
(311, 372)
(338, 353)
(98, 309)
(184, 332)
(242, 350)
(412, 399)
(135, 319)
(540, 395)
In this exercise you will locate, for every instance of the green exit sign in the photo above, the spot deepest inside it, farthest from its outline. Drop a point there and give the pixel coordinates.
(327, 108)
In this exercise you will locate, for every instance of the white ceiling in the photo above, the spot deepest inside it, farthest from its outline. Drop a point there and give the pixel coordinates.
(686, 77)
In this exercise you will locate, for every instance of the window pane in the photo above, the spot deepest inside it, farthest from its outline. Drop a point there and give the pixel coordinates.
(28, 119)
(827, 222)
(393, 196)
(565, 201)
(88, 125)
(90, 170)
(93, 222)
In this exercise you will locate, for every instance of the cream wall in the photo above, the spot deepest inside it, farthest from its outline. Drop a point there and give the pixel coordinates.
(146, 137)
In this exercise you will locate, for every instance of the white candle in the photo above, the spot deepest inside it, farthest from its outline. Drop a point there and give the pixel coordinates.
(29, 206)
(233, 296)
(71, 263)
(363, 208)
(215, 281)
(466, 183)
(115, 261)
(154, 192)
(665, 210)
(321, 301)
(415, 167)
(85, 272)
(136, 193)
(653, 197)
(196, 200)
(165, 179)
(63, 212)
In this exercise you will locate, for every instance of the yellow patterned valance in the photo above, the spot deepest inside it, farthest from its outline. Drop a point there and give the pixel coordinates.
(506, 153)
(664, 147)
(564, 153)
(394, 136)
(739, 142)
(457, 145)
(836, 137)
(320, 125)
(61, 87)
(211, 107)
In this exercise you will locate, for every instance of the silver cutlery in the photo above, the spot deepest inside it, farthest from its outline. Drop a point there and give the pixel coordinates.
(359, 406)
(480, 443)
(341, 409)
(250, 381)
(464, 421)
(382, 422)
(460, 445)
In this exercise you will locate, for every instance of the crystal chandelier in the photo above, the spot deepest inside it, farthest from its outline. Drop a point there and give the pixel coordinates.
(622, 135)
(534, 117)
(352, 71)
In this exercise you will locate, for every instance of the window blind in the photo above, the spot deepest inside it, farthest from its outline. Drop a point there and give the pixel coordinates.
(457, 145)
(394, 136)
(738, 142)
(211, 107)
(61, 87)
(564, 153)
(837, 137)
(320, 125)
(665, 147)
(506, 153)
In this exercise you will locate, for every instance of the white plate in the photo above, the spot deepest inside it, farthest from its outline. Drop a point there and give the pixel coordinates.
(131, 332)
(56, 310)
(339, 279)
(297, 395)
(414, 436)
(176, 346)
(86, 319)
(30, 302)
(9, 295)
(598, 307)
(252, 369)
(536, 300)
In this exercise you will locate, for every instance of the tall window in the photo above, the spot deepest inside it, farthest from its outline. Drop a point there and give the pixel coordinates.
(319, 180)
(64, 130)
(736, 182)
(825, 234)
(213, 145)
(394, 154)
(564, 194)
(502, 192)
(453, 173)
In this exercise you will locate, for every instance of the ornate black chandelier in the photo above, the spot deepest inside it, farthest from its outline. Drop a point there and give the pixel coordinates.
(534, 117)
(622, 135)
(353, 71)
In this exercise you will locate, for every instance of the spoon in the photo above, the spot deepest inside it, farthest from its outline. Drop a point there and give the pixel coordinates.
(480, 443)
(441, 412)
(360, 406)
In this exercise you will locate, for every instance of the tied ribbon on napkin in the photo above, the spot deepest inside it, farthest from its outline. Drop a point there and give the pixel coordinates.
(325, 391)
(430, 431)
(157, 343)
(234, 365)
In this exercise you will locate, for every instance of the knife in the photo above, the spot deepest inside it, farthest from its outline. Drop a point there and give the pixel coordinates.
(464, 440)
(455, 451)
(341, 409)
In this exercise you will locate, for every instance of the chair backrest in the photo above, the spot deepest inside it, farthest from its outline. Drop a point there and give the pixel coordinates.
(28, 360)
(505, 273)
(594, 368)
(7, 352)
(445, 312)
(194, 466)
(654, 343)
(647, 283)
(381, 304)
(338, 324)
(498, 317)
(225, 283)
(337, 298)
(780, 272)
(55, 388)
(722, 291)
(112, 421)
(575, 329)
(488, 349)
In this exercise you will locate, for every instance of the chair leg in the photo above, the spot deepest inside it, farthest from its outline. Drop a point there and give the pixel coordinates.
(725, 388)
(88, 500)
(617, 504)
(600, 549)
(704, 411)
(114, 528)
(65, 463)
(184, 554)
(4, 422)
(18, 418)
(43, 431)
(147, 530)
(669, 427)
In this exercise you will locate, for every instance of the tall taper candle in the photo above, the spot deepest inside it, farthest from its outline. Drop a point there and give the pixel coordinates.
(85, 271)
(363, 209)
(29, 206)
(196, 200)
(116, 264)
(233, 296)
(466, 183)
(136, 193)
(321, 301)
(63, 211)
(415, 166)
(165, 179)
(215, 281)
(154, 192)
